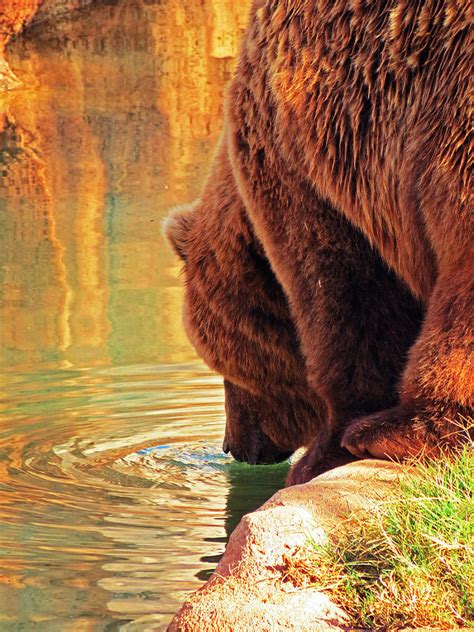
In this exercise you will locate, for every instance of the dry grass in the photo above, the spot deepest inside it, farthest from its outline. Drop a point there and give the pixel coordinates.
(410, 564)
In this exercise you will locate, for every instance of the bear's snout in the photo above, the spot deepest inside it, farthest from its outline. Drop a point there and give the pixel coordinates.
(244, 437)
(260, 450)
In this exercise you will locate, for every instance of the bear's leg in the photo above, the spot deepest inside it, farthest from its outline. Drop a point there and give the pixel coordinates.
(355, 320)
(437, 391)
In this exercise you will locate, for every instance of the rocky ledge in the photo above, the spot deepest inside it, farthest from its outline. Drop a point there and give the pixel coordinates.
(248, 591)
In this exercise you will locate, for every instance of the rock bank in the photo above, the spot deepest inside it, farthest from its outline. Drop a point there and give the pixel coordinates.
(248, 591)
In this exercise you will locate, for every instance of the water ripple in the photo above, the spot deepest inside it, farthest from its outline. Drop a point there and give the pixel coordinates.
(115, 495)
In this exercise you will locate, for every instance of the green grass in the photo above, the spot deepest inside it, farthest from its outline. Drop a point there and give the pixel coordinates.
(409, 564)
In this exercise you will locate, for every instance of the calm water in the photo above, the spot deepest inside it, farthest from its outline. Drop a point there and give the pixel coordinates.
(115, 497)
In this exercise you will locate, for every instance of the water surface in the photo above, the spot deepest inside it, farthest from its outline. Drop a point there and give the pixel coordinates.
(115, 497)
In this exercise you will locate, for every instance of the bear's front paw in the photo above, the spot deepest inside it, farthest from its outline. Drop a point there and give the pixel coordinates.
(388, 434)
(313, 464)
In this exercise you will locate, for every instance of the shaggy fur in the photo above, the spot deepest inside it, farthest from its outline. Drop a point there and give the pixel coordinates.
(329, 262)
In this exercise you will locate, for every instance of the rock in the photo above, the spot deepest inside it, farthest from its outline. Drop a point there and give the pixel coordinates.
(248, 591)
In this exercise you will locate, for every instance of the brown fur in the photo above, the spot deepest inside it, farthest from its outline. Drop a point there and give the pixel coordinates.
(335, 218)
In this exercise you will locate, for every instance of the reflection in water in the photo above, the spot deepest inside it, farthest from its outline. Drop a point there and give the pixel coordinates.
(118, 128)
(115, 497)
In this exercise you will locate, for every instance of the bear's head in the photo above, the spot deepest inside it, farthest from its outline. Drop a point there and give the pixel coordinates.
(237, 317)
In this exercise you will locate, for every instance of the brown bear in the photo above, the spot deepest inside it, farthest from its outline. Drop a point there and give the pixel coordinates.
(328, 263)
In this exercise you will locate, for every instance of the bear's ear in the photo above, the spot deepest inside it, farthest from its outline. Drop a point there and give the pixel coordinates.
(176, 228)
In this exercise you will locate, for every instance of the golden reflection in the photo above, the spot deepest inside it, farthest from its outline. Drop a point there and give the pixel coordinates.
(33, 270)
(95, 151)
(190, 92)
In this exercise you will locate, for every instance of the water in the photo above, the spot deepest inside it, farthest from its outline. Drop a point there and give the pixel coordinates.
(115, 496)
